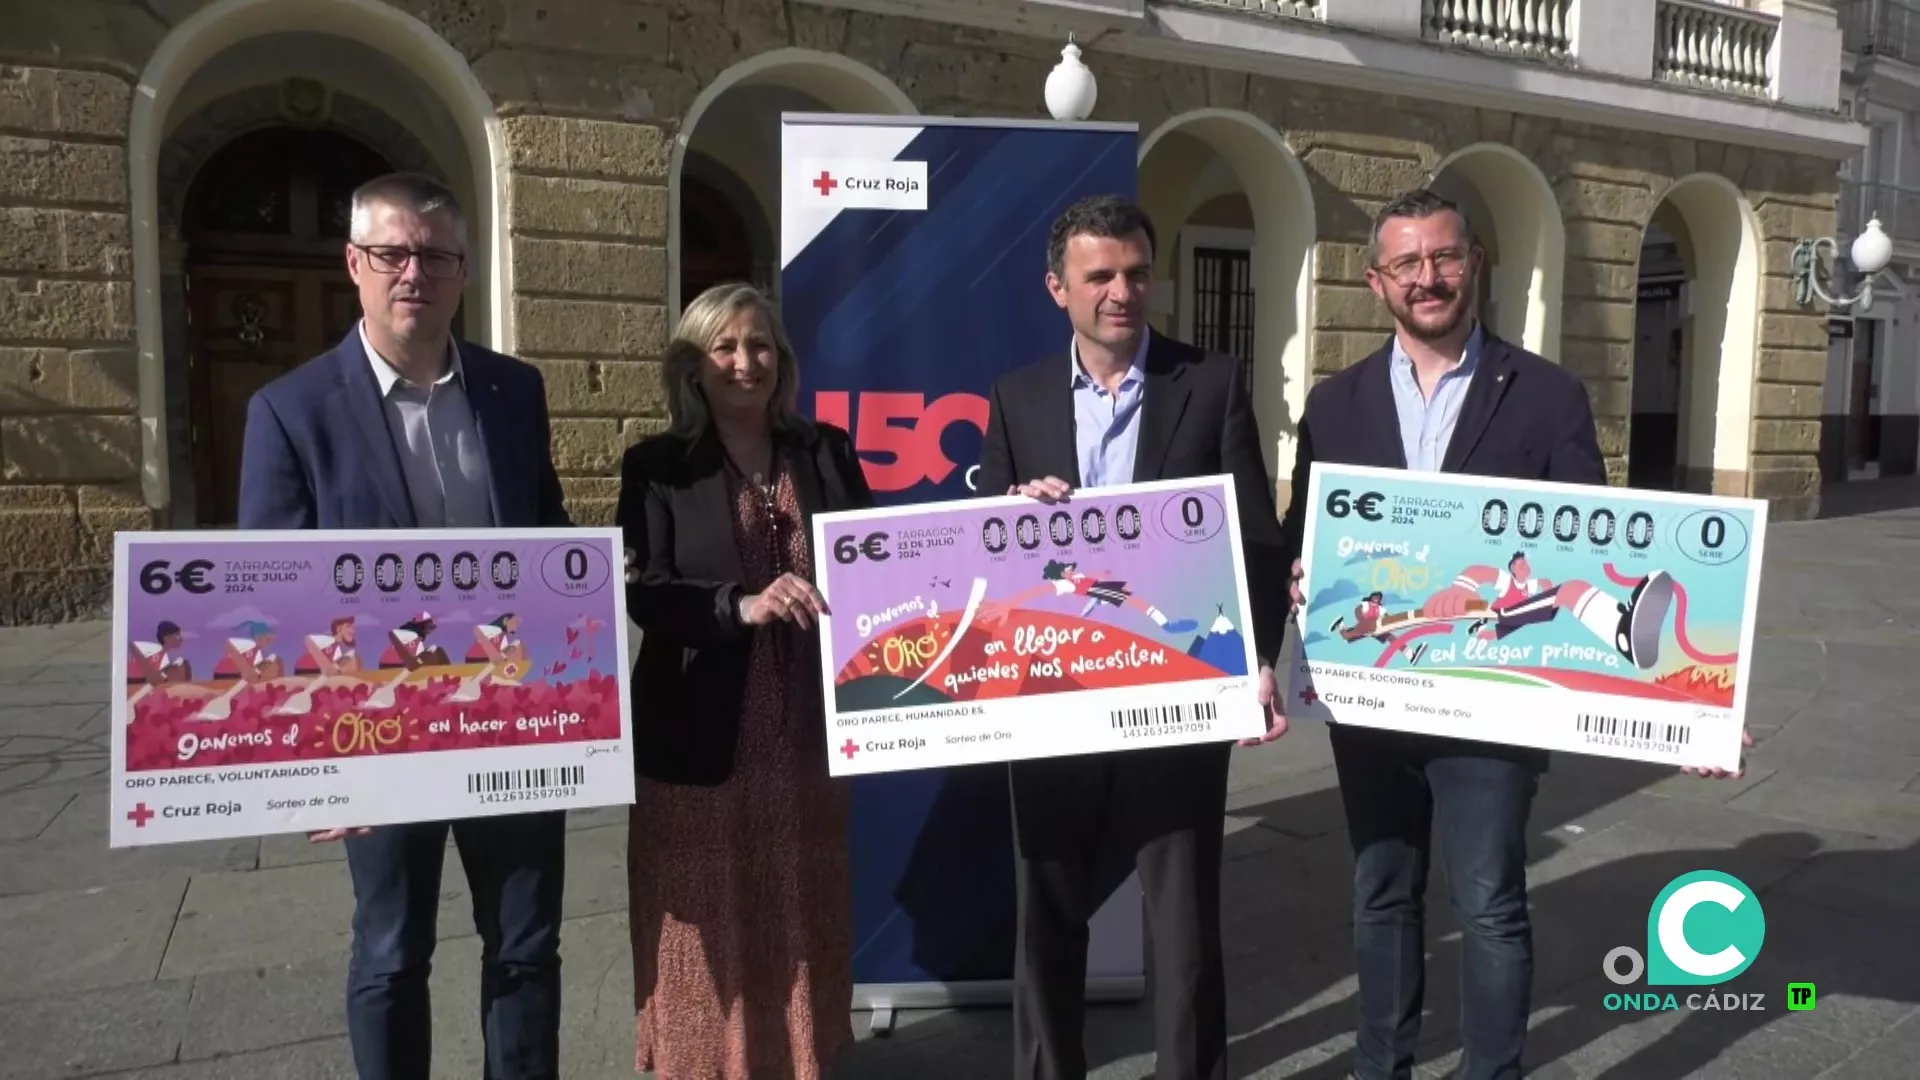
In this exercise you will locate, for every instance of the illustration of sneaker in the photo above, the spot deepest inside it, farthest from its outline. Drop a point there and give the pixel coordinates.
(1642, 618)
(1334, 627)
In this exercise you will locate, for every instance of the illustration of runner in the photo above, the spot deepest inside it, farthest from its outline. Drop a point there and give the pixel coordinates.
(1371, 620)
(1066, 579)
(1521, 600)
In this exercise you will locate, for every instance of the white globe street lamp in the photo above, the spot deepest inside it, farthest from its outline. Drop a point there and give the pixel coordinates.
(1071, 91)
(1872, 250)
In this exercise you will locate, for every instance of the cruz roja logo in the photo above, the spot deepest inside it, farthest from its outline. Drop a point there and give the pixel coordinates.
(1704, 928)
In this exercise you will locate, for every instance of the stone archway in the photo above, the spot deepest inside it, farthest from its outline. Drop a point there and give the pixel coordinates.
(726, 235)
(293, 105)
(206, 56)
(1717, 242)
(791, 78)
(1528, 246)
(1263, 170)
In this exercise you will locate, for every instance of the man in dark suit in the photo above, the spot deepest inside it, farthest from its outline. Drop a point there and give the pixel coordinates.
(1443, 394)
(402, 427)
(1125, 404)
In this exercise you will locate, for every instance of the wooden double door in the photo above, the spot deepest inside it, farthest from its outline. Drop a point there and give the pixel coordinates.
(265, 228)
(250, 325)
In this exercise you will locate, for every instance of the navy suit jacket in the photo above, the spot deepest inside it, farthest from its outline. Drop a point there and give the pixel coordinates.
(1196, 420)
(1524, 418)
(319, 455)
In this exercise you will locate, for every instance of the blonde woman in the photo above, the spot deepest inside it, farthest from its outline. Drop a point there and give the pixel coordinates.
(737, 859)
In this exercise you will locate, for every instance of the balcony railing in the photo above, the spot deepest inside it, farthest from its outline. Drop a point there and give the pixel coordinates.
(1897, 207)
(1707, 45)
(1291, 9)
(1531, 28)
(1880, 28)
(1718, 46)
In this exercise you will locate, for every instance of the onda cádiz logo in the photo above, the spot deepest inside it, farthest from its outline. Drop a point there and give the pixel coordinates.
(852, 184)
(1704, 928)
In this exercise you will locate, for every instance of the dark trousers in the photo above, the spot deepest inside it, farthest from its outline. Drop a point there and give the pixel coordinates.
(1168, 806)
(1399, 790)
(515, 865)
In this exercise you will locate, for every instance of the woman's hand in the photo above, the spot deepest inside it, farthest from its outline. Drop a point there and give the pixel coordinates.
(790, 597)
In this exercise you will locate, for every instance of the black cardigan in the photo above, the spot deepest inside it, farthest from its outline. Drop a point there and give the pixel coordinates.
(677, 517)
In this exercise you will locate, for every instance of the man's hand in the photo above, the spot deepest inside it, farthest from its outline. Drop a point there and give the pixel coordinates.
(1293, 587)
(1746, 739)
(1052, 489)
(633, 572)
(335, 834)
(1270, 701)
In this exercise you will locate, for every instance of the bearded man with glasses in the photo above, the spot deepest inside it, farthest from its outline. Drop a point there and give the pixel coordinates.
(1443, 394)
(401, 426)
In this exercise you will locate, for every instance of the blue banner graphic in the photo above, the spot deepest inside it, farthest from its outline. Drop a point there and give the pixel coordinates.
(913, 274)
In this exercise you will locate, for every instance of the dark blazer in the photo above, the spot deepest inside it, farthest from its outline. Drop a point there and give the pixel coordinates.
(318, 453)
(1196, 421)
(1524, 418)
(678, 519)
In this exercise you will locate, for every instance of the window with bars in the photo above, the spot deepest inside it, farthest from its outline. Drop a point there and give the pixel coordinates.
(1223, 304)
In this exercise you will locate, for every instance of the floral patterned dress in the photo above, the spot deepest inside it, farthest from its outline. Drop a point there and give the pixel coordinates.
(741, 910)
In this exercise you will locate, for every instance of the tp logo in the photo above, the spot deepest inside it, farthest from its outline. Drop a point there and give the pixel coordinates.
(1705, 928)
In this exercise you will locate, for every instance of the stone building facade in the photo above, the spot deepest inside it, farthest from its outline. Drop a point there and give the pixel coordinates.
(566, 127)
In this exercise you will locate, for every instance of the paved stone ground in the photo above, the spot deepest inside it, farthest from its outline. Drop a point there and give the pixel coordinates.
(226, 960)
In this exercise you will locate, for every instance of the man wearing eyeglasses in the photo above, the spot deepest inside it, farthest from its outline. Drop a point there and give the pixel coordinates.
(1443, 394)
(402, 427)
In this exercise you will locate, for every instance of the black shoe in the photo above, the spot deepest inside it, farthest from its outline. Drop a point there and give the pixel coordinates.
(1642, 619)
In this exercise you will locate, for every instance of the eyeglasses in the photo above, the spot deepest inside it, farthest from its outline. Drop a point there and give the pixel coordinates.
(433, 262)
(1406, 271)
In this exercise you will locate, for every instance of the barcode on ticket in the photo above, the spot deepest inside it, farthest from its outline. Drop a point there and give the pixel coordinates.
(1159, 715)
(491, 783)
(1643, 730)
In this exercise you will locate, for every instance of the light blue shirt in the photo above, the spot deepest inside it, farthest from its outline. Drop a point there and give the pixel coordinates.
(438, 437)
(1426, 424)
(1106, 426)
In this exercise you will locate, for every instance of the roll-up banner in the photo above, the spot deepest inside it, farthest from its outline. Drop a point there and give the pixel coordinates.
(912, 275)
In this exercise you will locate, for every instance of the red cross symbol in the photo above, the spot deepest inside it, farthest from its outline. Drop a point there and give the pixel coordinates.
(1309, 696)
(140, 815)
(826, 184)
(849, 749)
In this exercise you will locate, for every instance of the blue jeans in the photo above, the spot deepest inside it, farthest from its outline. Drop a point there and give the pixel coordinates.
(1398, 790)
(515, 865)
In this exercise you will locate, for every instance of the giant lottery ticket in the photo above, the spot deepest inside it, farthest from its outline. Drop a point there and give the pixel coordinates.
(1599, 620)
(269, 682)
(1000, 629)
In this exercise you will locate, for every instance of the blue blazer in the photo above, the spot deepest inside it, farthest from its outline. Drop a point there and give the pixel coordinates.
(318, 453)
(1524, 418)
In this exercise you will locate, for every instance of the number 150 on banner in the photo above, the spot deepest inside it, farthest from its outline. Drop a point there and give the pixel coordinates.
(908, 427)
(1556, 616)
